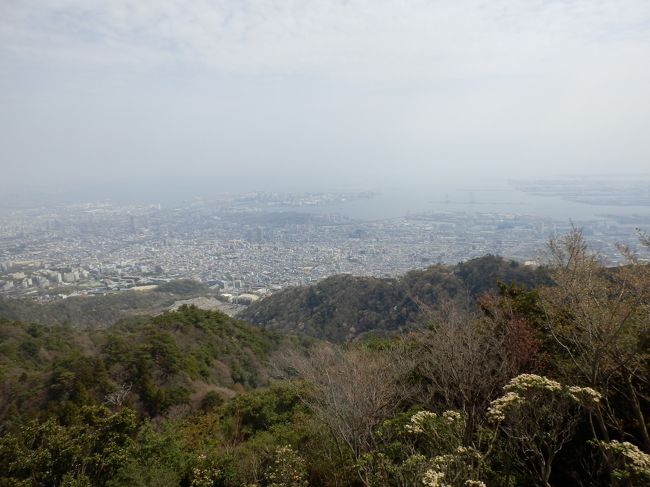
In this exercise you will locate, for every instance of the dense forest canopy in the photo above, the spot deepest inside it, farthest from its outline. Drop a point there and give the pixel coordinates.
(344, 307)
(495, 375)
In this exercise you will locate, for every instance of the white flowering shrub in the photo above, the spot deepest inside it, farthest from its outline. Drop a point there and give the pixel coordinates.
(458, 466)
(539, 415)
(440, 432)
(474, 483)
(422, 448)
(204, 472)
(451, 463)
(527, 390)
(421, 422)
(501, 406)
(632, 465)
(452, 417)
(432, 478)
(288, 469)
(382, 469)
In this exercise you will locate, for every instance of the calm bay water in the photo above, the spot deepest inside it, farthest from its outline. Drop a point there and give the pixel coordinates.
(472, 198)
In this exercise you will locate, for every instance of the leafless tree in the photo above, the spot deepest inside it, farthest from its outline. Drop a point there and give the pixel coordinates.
(118, 396)
(465, 363)
(598, 317)
(352, 391)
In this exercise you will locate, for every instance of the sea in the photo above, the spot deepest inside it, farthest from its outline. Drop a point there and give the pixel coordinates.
(499, 197)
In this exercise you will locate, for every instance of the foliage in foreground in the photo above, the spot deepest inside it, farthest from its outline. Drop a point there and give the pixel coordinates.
(543, 387)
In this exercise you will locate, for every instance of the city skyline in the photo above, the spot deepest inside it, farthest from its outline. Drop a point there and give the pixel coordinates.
(254, 244)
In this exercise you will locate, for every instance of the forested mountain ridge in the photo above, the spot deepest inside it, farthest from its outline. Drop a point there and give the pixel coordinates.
(545, 386)
(149, 364)
(344, 307)
(101, 311)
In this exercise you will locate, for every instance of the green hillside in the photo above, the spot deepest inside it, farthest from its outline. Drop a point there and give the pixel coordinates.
(174, 359)
(343, 307)
(543, 387)
(97, 311)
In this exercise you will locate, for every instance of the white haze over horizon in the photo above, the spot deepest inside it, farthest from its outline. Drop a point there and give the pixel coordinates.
(275, 95)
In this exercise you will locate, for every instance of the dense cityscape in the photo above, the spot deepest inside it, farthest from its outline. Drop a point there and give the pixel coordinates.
(248, 246)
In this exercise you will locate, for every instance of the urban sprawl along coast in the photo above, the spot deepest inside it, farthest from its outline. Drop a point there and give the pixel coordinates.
(255, 244)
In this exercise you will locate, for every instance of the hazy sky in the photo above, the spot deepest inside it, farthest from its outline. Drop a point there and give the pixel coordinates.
(315, 93)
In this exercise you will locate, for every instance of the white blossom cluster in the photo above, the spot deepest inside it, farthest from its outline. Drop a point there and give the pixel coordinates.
(203, 475)
(432, 478)
(637, 462)
(499, 407)
(287, 470)
(452, 417)
(441, 462)
(419, 421)
(462, 457)
(462, 453)
(525, 382)
(520, 385)
(584, 395)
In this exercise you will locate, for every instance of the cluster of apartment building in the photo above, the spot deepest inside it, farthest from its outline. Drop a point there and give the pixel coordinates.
(248, 251)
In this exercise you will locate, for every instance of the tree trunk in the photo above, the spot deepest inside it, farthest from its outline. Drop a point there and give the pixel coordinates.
(638, 413)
